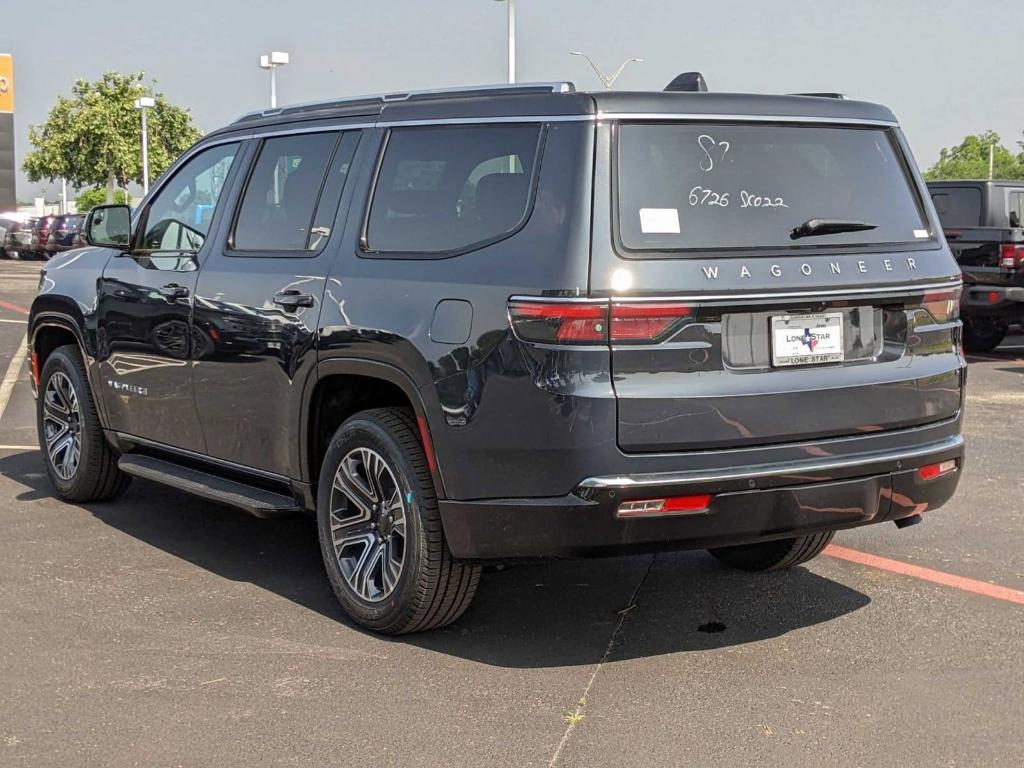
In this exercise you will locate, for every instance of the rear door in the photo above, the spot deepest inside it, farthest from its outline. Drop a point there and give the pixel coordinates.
(259, 298)
(771, 283)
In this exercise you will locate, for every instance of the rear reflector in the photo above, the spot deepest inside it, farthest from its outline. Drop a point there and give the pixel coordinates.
(673, 505)
(932, 471)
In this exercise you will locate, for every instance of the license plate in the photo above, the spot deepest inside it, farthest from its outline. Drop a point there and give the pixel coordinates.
(807, 339)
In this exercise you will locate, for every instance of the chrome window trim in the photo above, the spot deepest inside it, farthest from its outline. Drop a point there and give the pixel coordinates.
(741, 118)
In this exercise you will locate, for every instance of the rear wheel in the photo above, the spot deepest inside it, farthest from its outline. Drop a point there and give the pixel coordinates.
(773, 555)
(80, 462)
(983, 335)
(380, 530)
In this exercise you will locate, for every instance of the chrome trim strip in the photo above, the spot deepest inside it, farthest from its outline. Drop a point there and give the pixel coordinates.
(202, 457)
(733, 118)
(488, 120)
(769, 470)
(740, 296)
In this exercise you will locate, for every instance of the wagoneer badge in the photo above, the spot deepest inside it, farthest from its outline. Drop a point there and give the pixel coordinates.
(806, 269)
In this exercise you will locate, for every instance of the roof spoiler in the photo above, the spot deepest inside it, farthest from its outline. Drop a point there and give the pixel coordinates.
(688, 82)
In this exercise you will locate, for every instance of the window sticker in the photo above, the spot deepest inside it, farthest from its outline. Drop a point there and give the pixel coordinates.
(921, 234)
(659, 221)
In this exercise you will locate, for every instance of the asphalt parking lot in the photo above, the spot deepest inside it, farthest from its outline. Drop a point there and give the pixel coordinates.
(163, 630)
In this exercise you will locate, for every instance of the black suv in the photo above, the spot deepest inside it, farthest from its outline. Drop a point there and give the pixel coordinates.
(518, 322)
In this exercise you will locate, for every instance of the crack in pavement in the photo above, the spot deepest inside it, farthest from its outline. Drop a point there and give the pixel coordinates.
(576, 717)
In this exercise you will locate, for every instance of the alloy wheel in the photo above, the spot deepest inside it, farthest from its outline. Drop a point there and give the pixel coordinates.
(368, 524)
(62, 425)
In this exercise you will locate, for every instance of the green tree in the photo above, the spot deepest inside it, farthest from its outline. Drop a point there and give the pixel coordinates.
(93, 137)
(969, 160)
(90, 198)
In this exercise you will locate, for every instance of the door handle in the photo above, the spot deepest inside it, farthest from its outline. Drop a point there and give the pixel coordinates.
(173, 291)
(292, 300)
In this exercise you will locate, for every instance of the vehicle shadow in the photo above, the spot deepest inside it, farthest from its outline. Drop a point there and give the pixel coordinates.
(530, 615)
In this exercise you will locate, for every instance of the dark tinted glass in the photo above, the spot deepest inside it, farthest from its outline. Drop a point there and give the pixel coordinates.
(327, 207)
(179, 216)
(449, 187)
(277, 209)
(958, 206)
(704, 186)
(1015, 207)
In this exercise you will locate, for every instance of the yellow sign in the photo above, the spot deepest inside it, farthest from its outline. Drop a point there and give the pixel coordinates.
(6, 82)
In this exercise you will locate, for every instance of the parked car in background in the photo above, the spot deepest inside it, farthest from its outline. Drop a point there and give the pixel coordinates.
(16, 238)
(982, 221)
(41, 235)
(65, 233)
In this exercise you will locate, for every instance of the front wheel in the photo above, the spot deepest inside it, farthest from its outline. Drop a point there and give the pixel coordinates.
(773, 555)
(81, 464)
(380, 529)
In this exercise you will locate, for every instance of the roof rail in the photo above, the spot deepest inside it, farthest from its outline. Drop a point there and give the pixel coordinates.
(380, 99)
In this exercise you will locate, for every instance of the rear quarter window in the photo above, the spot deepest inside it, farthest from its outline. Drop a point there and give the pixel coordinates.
(442, 190)
(701, 186)
(958, 206)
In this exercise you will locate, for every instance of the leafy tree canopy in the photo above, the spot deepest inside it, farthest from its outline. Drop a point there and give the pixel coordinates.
(93, 138)
(90, 198)
(969, 160)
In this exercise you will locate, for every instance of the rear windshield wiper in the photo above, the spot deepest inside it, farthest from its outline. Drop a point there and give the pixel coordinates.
(813, 227)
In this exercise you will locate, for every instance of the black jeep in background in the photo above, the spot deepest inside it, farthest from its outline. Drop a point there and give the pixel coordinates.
(982, 221)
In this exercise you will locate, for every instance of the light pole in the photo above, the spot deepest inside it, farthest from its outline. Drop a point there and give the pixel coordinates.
(608, 81)
(511, 39)
(272, 61)
(144, 103)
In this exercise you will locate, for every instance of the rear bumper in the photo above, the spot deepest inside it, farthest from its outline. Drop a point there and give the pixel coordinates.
(748, 504)
(992, 300)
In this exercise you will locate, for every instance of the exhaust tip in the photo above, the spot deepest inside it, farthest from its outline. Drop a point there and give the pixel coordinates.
(906, 522)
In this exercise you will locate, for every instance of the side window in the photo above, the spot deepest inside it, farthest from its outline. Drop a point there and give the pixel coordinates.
(447, 188)
(280, 199)
(179, 216)
(1016, 207)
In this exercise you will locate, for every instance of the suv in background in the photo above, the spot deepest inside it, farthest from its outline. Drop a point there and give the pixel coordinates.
(518, 322)
(41, 235)
(15, 238)
(65, 233)
(982, 223)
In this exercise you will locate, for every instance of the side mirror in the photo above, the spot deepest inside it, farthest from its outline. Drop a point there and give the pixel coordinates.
(109, 226)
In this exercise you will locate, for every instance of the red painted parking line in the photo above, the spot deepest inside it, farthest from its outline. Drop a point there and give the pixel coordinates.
(927, 574)
(14, 307)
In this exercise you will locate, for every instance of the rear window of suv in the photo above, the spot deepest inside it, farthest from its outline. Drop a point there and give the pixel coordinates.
(703, 186)
(958, 206)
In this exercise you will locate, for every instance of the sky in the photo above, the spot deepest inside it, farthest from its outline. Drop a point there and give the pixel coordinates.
(204, 54)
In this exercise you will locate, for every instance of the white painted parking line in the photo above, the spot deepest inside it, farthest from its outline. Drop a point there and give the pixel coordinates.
(15, 322)
(11, 377)
(19, 447)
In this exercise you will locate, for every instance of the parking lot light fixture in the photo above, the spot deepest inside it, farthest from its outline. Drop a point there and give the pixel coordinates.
(511, 39)
(143, 104)
(272, 61)
(608, 81)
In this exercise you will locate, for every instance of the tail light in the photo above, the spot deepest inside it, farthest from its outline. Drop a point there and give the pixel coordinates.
(560, 322)
(567, 322)
(943, 306)
(646, 322)
(1011, 256)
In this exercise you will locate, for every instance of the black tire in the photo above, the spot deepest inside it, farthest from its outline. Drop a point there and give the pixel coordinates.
(983, 336)
(96, 476)
(431, 589)
(773, 555)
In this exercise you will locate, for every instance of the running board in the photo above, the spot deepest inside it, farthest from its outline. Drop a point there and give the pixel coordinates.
(255, 501)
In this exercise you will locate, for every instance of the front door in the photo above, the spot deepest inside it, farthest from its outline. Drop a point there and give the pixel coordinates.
(259, 296)
(144, 337)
